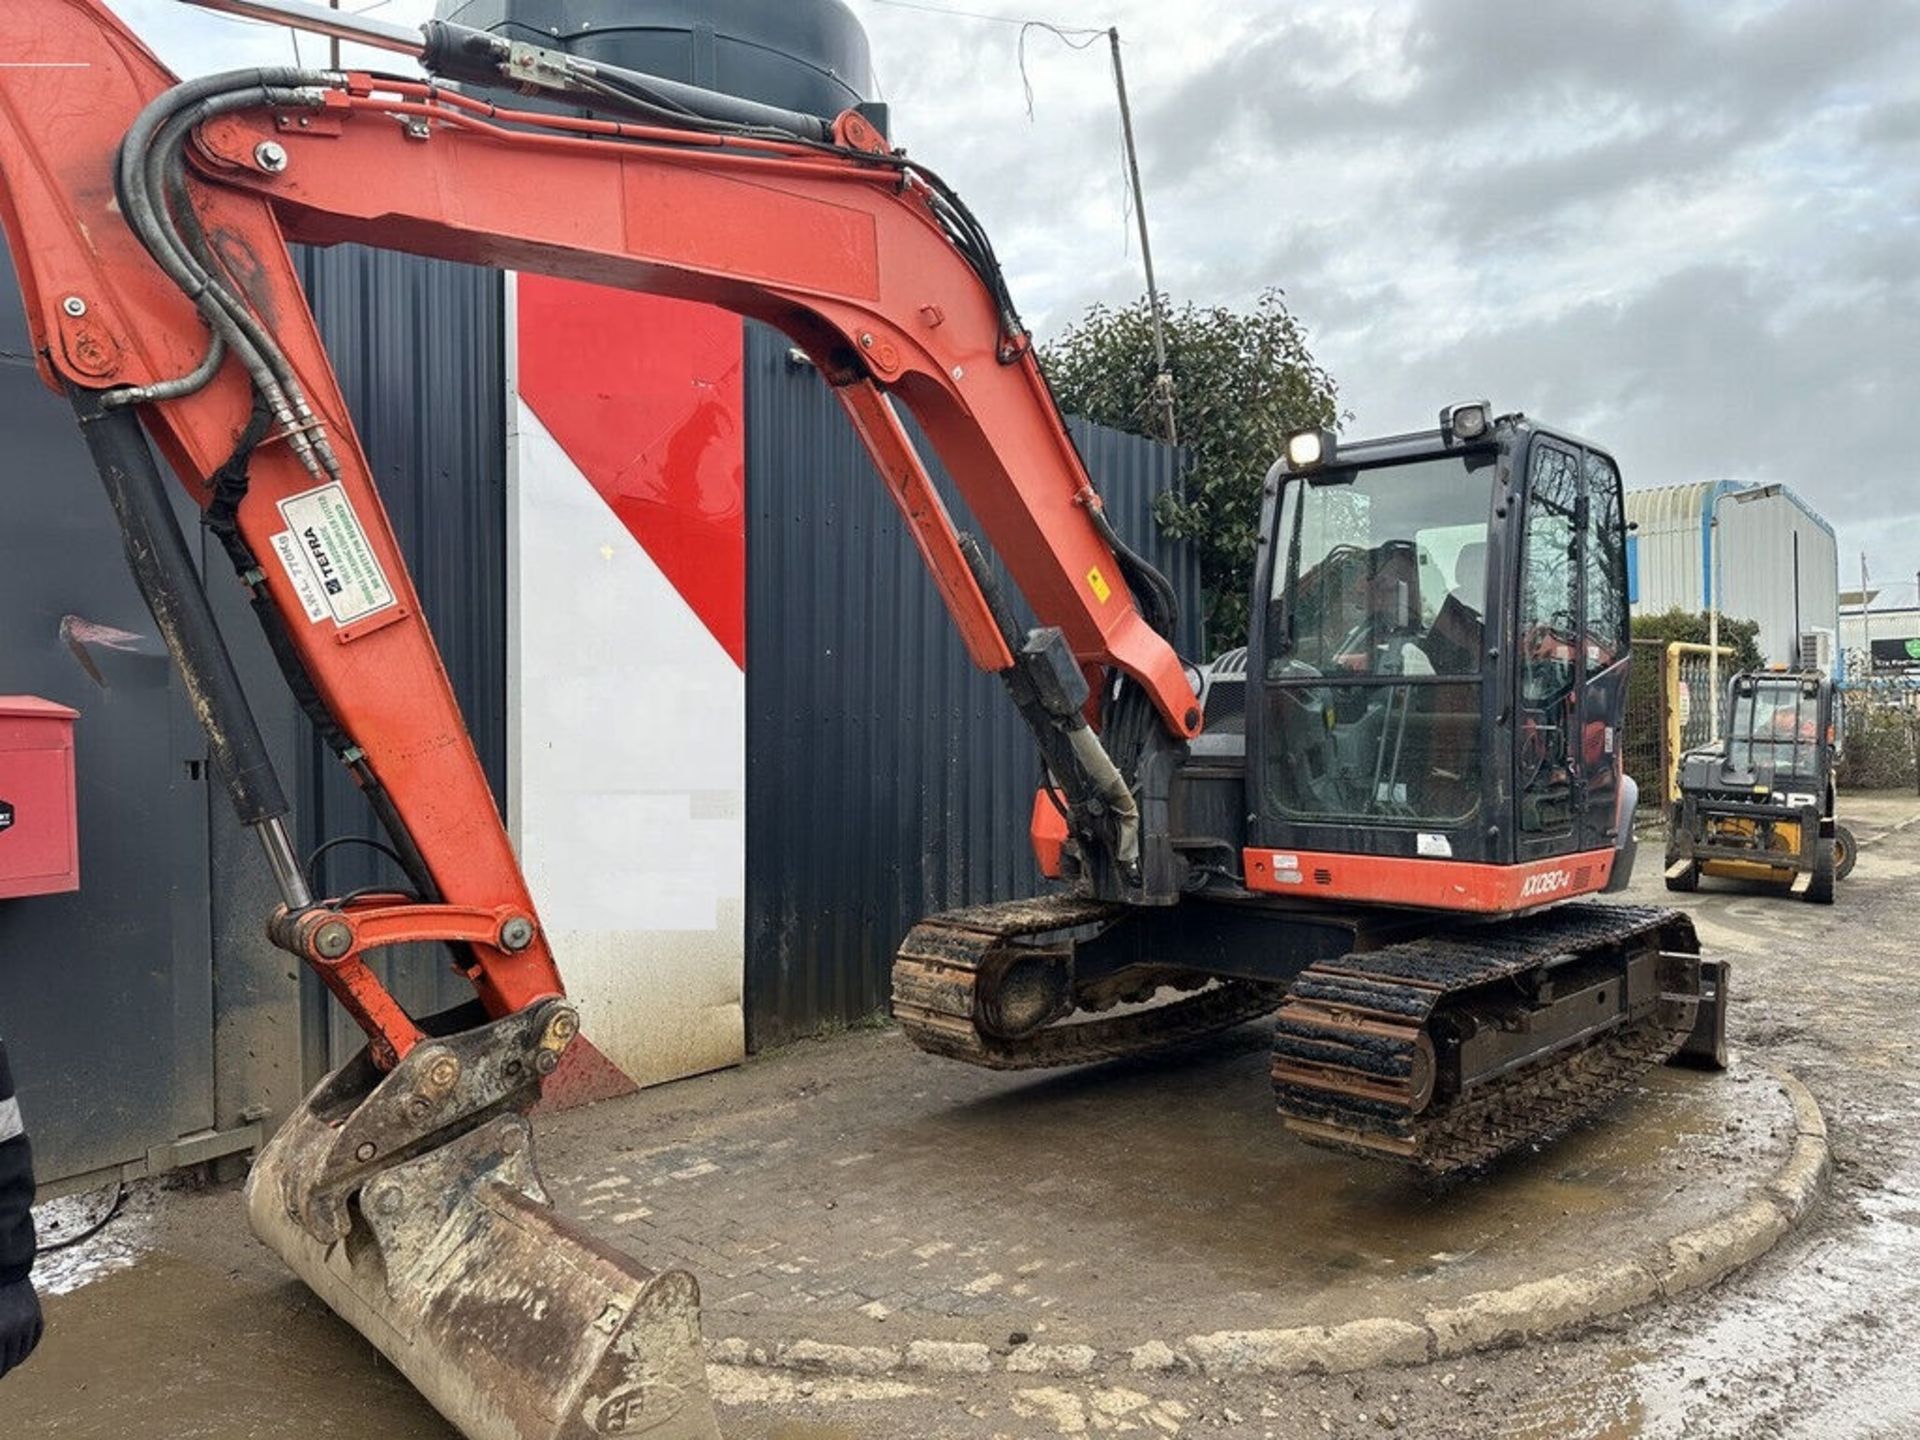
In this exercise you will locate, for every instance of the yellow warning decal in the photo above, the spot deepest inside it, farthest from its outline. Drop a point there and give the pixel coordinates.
(1097, 583)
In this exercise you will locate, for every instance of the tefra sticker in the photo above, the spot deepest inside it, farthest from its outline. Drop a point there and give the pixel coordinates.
(326, 555)
(1097, 583)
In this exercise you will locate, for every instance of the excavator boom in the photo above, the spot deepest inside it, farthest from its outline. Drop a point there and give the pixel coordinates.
(860, 257)
(149, 221)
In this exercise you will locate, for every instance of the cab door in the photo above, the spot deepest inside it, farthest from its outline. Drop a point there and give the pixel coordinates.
(1605, 646)
(1571, 655)
(1548, 654)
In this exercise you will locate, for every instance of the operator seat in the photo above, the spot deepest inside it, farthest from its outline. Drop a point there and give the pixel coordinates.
(1455, 641)
(1444, 723)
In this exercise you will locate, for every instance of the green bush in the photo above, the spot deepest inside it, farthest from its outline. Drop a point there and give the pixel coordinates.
(1880, 745)
(1244, 380)
(1740, 636)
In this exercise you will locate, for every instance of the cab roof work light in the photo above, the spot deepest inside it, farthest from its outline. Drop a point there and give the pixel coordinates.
(1309, 449)
(1471, 420)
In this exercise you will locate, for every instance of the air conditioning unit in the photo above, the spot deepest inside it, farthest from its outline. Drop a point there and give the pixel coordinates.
(1814, 652)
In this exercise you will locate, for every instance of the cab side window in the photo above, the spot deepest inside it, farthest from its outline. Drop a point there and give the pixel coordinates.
(1549, 582)
(1606, 563)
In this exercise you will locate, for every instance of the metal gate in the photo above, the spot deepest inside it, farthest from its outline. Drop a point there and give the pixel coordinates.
(1670, 709)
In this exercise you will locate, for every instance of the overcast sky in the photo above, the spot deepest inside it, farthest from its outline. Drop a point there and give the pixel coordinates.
(1689, 229)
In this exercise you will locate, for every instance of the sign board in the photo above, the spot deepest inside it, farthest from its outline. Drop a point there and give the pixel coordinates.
(1896, 657)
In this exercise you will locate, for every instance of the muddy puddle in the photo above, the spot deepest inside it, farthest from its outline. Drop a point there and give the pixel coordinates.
(170, 1348)
(1201, 1169)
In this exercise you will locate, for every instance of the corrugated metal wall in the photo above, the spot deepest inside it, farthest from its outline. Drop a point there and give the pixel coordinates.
(106, 997)
(419, 346)
(1764, 543)
(886, 777)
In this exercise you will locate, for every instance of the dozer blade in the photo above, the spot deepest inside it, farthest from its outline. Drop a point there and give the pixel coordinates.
(411, 1204)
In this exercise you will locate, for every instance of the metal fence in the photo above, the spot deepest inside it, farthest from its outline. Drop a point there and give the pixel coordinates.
(1643, 740)
(1881, 720)
(1670, 707)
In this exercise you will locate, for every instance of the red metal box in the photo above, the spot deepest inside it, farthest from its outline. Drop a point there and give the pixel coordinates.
(39, 836)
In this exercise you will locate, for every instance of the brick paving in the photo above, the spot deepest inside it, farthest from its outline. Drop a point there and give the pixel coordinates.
(856, 1192)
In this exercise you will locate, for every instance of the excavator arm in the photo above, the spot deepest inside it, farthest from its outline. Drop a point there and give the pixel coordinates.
(149, 222)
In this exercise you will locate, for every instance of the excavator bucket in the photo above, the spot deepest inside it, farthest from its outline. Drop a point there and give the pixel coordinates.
(411, 1204)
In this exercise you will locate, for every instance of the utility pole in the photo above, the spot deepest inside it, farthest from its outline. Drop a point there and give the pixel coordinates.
(1163, 378)
(1866, 624)
(1714, 567)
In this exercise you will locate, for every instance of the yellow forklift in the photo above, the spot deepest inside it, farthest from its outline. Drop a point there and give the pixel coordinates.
(1758, 804)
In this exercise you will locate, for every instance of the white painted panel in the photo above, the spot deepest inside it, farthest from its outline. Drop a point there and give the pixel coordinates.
(627, 760)
(1757, 560)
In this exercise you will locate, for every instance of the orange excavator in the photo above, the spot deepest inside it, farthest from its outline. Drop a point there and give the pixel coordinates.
(1367, 820)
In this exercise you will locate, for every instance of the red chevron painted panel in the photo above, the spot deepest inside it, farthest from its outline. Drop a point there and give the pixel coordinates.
(645, 395)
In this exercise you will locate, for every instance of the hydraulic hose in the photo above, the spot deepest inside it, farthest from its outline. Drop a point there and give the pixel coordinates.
(1112, 785)
(150, 155)
(194, 381)
(150, 180)
(163, 570)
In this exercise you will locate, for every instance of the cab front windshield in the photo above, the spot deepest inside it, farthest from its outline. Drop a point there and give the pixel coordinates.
(1383, 575)
(1375, 636)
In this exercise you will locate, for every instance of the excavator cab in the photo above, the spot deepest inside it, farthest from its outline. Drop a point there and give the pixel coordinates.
(1437, 669)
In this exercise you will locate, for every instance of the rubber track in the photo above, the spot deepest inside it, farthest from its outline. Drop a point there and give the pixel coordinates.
(938, 966)
(1344, 1040)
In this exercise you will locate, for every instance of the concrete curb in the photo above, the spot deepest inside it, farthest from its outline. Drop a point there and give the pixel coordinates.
(1689, 1261)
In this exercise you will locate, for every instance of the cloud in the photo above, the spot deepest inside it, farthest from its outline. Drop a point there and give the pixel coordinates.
(1687, 229)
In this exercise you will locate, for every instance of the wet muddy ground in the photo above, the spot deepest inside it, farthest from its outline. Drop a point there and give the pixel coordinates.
(184, 1327)
(859, 1192)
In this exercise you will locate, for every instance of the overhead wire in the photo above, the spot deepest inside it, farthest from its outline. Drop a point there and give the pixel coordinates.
(1073, 39)
(1133, 205)
(961, 14)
